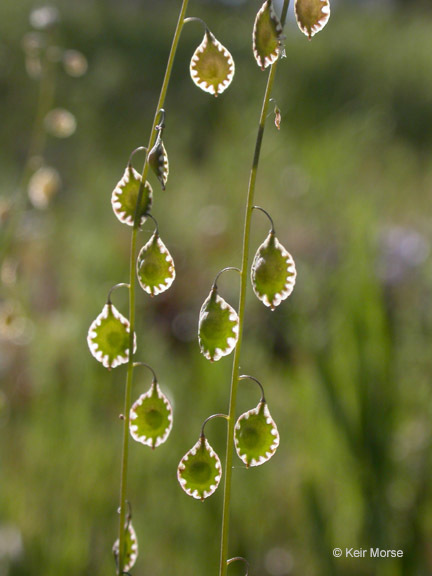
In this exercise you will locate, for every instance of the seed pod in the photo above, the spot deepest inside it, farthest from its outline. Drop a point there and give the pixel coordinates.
(125, 196)
(200, 470)
(158, 160)
(151, 418)
(218, 327)
(266, 35)
(273, 272)
(130, 547)
(212, 66)
(256, 436)
(108, 337)
(155, 266)
(312, 15)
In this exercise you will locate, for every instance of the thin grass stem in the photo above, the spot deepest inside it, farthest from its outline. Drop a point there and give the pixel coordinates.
(132, 282)
(241, 312)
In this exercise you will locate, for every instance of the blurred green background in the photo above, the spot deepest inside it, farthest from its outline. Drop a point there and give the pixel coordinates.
(346, 361)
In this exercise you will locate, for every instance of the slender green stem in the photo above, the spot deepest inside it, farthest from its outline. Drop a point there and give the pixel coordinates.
(241, 312)
(132, 282)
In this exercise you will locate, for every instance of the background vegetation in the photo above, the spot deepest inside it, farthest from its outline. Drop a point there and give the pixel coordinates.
(346, 361)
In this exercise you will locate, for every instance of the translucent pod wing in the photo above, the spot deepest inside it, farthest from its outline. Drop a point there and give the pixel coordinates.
(155, 266)
(130, 547)
(151, 418)
(273, 272)
(158, 160)
(266, 37)
(200, 470)
(312, 15)
(108, 337)
(125, 195)
(256, 436)
(212, 66)
(218, 327)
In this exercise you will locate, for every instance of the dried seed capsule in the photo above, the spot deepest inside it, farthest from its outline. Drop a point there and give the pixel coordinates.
(312, 15)
(218, 327)
(130, 547)
(151, 417)
(158, 160)
(266, 35)
(200, 470)
(155, 266)
(273, 272)
(212, 66)
(256, 436)
(108, 337)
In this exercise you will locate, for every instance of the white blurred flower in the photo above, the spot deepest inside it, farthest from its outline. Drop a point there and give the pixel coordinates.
(14, 326)
(43, 185)
(60, 123)
(75, 63)
(44, 17)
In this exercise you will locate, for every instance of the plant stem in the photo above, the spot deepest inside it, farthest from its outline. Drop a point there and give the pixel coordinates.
(241, 312)
(132, 282)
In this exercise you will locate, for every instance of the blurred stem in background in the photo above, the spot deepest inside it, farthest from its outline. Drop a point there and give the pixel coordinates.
(365, 369)
(40, 48)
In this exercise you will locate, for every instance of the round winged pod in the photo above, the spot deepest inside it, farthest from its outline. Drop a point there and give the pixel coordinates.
(130, 547)
(108, 337)
(158, 161)
(125, 196)
(266, 37)
(200, 470)
(155, 266)
(273, 272)
(312, 15)
(212, 66)
(151, 418)
(256, 436)
(218, 327)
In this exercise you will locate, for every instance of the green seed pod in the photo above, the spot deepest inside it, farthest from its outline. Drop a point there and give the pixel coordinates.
(130, 547)
(256, 436)
(266, 35)
(218, 327)
(158, 160)
(200, 470)
(151, 418)
(273, 272)
(125, 195)
(108, 337)
(155, 266)
(212, 66)
(312, 15)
